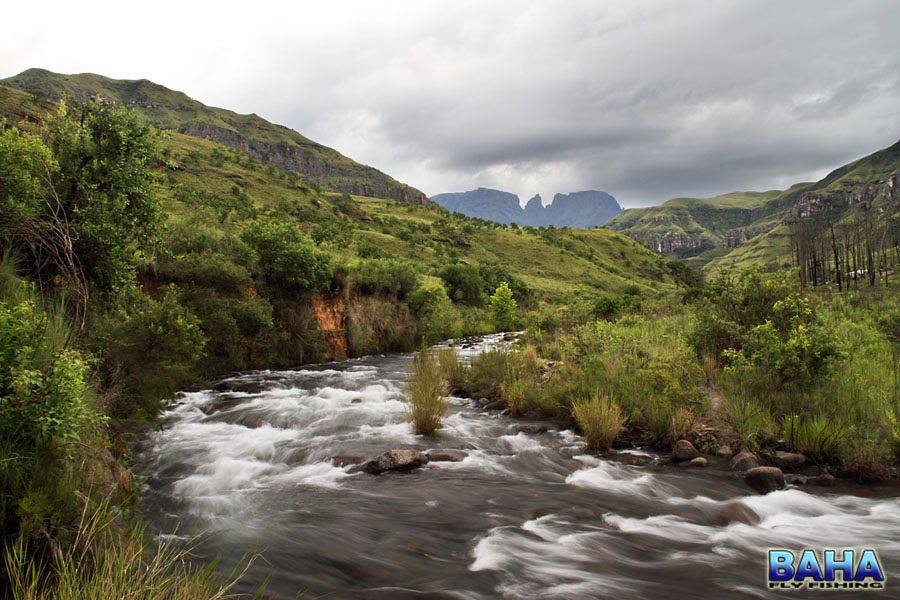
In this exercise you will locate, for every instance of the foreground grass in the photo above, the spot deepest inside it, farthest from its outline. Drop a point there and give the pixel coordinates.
(108, 562)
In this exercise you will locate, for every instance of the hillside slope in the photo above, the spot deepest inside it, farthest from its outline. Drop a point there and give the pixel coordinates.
(174, 111)
(743, 228)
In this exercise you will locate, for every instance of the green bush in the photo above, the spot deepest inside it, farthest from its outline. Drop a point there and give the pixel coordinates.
(153, 345)
(289, 265)
(503, 308)
(390, 277)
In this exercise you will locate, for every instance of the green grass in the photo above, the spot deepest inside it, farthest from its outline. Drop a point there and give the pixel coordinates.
(426, 393)
(600, 419)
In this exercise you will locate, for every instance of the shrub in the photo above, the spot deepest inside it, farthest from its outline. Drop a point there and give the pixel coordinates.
(289, 264)
(385, 276)
(154, 345)
(607, 307)
(425, 387)
(600, 419)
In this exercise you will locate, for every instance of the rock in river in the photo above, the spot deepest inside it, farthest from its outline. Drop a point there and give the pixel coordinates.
(395, 460)
(684, 450)
(765, 479)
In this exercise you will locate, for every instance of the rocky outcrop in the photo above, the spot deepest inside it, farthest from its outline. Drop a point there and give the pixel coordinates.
(667, 242)
(395, 460)
(312, 163)
(332, 318)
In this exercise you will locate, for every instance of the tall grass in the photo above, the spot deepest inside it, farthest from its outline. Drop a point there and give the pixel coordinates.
(600, 419)
(108, 563)
(426, 393)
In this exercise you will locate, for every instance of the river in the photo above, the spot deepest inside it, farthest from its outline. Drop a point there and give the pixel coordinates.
(262, 463)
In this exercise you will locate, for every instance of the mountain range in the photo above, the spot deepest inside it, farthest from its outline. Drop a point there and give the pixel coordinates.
(585, 209)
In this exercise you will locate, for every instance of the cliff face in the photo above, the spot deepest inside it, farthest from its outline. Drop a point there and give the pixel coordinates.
(311, 165)
(174, 111)
(578, 209)
(483, 203)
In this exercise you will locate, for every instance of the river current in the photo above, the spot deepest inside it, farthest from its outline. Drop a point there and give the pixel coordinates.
(264, 462)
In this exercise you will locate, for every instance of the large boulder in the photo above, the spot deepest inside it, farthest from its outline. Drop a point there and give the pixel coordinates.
(765, 479)
(684, 451)
(395, 460)
(744, 461)
(787, 461)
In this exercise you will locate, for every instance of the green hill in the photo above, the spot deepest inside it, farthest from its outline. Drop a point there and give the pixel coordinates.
(174, 111)
(744, 228)
(389, 260)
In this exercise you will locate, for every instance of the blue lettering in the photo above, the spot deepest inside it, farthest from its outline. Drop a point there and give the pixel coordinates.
(808, 567)
(845, 565)
(868, 567)
(781, 565)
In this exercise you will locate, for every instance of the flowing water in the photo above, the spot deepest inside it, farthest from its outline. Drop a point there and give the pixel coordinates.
(263, 463)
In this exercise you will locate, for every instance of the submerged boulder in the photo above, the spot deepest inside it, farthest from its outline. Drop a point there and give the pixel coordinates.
(737, 512)
(765, 479)
(395, 460)
(445, 456)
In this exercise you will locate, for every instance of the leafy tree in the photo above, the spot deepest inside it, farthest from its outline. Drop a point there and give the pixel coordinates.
(464, 284)
(503, 307)
(105, 189)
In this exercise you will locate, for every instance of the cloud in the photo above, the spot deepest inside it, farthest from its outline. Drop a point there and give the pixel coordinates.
(644, 99)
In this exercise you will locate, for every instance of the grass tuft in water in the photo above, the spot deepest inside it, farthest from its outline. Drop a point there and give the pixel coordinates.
(426, 388)
(601, 420)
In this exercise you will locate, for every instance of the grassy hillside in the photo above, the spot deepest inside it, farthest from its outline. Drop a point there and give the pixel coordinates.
(212, 193)
(753, 228)
(174, 111)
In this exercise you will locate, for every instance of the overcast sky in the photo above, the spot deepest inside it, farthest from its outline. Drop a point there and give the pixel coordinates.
(647, 100)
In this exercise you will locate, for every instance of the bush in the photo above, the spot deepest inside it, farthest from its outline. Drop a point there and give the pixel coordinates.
(390, 277)
(289, 265)
(600, 419)
(425, 387)
(154, 345)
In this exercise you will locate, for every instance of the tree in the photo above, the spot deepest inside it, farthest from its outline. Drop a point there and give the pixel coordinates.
(105, 189)
(503, 307)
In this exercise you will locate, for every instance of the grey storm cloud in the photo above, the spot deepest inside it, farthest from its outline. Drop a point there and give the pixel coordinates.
(646, 100)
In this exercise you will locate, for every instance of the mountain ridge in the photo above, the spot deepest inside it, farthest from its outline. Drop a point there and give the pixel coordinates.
(585, 209)
(171, 110)
(742, 228)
